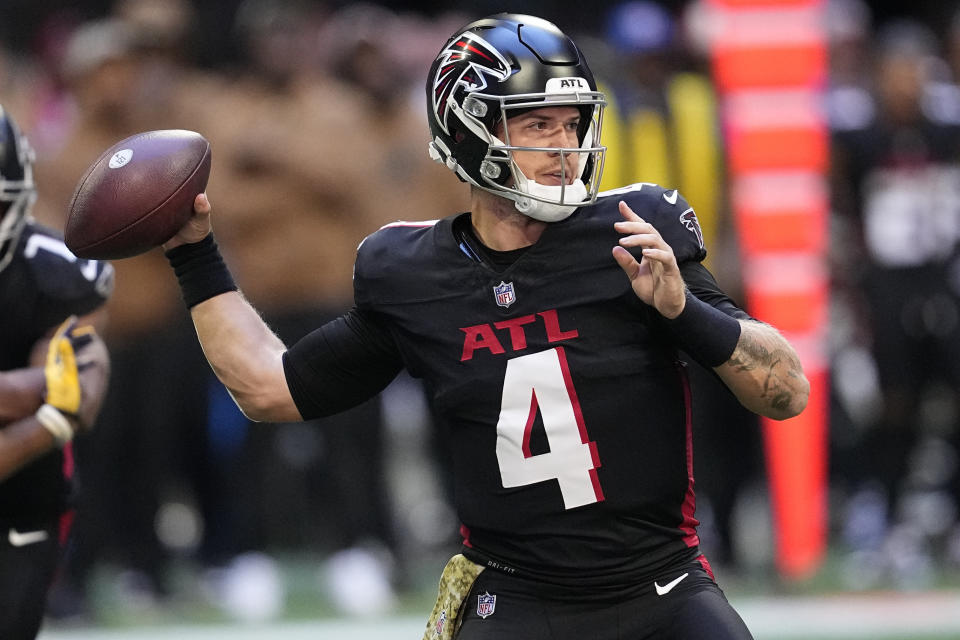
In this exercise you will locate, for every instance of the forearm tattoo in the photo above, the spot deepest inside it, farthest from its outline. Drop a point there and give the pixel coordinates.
(766, 355)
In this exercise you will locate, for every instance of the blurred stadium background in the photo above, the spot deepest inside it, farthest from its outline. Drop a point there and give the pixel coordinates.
(817, 139)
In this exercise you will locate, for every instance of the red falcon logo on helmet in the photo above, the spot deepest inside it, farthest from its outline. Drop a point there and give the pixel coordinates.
(467, 62)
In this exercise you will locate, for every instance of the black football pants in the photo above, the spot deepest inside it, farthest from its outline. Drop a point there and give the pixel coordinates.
(693, 608)
(27, 566)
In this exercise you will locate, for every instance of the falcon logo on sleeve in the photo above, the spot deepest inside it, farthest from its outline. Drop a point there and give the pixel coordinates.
(689, 220)
(466, 62)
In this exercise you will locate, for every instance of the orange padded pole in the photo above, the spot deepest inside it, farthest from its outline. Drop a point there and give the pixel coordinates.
(769, 63)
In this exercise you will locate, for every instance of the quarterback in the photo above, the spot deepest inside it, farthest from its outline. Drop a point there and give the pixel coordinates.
(547, 325)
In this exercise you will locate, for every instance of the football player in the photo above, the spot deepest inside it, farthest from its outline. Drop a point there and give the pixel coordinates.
(546, 324)
(53, 377)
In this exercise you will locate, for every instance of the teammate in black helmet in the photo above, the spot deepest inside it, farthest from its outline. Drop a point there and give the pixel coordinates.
(53, 376)
(546, 324)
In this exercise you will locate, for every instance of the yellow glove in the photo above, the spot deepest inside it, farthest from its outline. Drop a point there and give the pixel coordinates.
(63, 378)
(60, 370)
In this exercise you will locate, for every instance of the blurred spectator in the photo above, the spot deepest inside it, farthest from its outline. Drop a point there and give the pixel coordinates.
(953, 46)
(896, 187)
(641, 34)
(662, 125)
(941, 99)
(849, 99)
(31, 82)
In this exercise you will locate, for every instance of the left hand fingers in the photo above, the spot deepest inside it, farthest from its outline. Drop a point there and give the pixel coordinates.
(627, 212)
(660, 256)
(627, 262)
(639, 233)
(643, 238)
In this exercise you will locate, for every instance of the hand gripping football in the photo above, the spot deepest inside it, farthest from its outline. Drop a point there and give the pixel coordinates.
(138, 194)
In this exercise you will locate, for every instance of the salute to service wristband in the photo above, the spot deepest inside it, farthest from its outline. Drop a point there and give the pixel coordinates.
(705, 332)
(201, 271)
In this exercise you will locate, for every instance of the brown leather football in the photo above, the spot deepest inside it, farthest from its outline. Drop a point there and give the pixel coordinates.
(138, 194)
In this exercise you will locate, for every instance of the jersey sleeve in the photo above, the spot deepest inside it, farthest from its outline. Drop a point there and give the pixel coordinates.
(390, 265)
(673, 217)
(341, 364)
(66, 285)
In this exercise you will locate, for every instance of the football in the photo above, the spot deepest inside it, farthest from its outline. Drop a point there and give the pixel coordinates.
(138, 194)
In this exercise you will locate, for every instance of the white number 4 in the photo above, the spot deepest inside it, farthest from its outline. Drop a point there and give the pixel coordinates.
(541, 383)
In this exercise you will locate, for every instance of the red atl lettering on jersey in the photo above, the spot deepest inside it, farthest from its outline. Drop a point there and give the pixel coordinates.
(484, 336)
(518, 338)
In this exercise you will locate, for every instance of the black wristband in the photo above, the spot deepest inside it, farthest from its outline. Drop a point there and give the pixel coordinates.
(706, 333)
(201, 271)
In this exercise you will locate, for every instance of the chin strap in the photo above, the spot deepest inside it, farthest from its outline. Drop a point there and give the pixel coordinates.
(575, 193)
(547, 203)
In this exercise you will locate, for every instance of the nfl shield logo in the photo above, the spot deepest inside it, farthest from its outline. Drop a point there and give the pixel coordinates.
(486, 603)
(438, 628)
(504, 294)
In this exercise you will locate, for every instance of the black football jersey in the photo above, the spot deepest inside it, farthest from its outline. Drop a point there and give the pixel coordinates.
(43, 285)
(899, 184)
(566, 406)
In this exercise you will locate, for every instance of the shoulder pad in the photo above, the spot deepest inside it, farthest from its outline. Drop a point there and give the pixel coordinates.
(393, 249)
(669, 212)
(390, 243)
(60, 276)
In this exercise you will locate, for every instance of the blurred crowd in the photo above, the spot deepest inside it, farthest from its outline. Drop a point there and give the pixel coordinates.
(319, 137)
(895, 321)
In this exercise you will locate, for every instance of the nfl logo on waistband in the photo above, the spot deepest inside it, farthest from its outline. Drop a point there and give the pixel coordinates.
(504, 294)
(486, 603)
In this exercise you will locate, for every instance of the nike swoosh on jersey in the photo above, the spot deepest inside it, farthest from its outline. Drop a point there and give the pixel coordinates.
(672, 199)
(667, 588)
(22, 539)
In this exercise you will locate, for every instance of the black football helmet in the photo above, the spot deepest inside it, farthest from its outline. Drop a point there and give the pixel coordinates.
(498, 67)
(17, 191)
